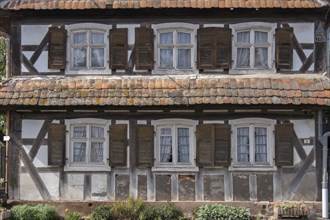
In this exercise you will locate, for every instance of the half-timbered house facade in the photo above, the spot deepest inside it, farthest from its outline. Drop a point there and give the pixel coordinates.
(181, 100)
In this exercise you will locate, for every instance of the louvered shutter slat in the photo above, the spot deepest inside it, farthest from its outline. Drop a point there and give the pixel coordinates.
(144, 48)
(118, 48)
(284, 48)
(205, 48)
(222, 145)
(284, 134)
(56, 144)
(57, 48)
(223, 48)
(205, 145)
(118, 145)
(145, 145)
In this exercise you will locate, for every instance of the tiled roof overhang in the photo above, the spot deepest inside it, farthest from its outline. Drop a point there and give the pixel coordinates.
(248, 90)
(135, 4)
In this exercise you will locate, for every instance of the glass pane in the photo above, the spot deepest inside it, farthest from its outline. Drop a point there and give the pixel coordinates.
(166, 145)
(166, 38)
(79, 57)
(243, 37)
(261, 37)
(184, 38)
(243, 57)
(97, 152)
(79, 131)
(97, 38)
(183, 145)
(79, 38)
(260, 144)
(166, 58)
(79, 152)
(184, 58)
(97, 57)
(261, 57)
(243, 144)
(97, 132)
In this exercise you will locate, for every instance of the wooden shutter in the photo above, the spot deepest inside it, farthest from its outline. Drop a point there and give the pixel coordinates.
(57, 48)
(144, 48)
(222, 144)
(284, 134)
(145, 145)
(205, 48)
(118, 145)
(284, 48)
(214, 48)
(118, 48)
(205, 145)
(223, 48)
(56, 144)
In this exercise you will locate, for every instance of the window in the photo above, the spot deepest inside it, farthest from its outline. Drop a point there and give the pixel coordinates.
(175, 46)
(175, 144)
(87, 143)
(88, 49)
(253, 46)
(254, 143)
(175, 50)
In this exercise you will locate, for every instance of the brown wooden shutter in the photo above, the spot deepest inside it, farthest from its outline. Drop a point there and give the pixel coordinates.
(222, 144)
(144, 48)
(118, 48)
(205, 48)
(57, 48)
(145, 145)
(284, 48)
(284, 134)
(205, 145)
(214, 48)
(56, 144)
(118, 145)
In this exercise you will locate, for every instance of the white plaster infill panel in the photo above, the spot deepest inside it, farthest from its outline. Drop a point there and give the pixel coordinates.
(75, 189)
(33, 34)
(99, 187)
(28, 190)
(52, 181)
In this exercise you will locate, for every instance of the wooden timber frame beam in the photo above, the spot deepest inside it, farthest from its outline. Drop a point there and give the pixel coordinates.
(28, 163)
(149, 115)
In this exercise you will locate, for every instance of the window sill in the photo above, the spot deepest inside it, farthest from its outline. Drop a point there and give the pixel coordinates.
(174, 71)
(237, 71)
(175, 169)
(86, 168)
(252, 168)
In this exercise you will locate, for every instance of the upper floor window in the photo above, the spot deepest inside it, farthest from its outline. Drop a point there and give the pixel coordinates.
(253, 46)
(175, 49)
(88, 49)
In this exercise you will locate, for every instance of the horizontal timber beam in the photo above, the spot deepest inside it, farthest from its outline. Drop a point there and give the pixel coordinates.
(160, 115)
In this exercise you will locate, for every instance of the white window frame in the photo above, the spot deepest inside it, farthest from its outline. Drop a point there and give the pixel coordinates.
(86, 166)
(252, 123)
(175, 28)
(252, 28)
(88, 28)
(174, 165)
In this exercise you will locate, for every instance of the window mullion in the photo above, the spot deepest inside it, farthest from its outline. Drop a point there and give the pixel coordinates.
(252, 144)
(175, 144)
(88, 144)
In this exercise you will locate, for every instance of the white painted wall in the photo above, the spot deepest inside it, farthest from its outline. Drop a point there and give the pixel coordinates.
(304, 129)
(304, 33)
